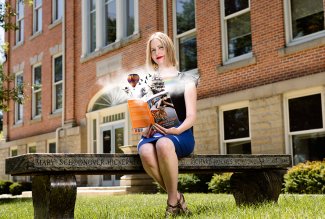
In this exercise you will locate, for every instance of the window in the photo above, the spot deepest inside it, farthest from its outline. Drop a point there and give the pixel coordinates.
(107, 22)
(236, 29)
(94, 135)
(57, 83)
(92, 26)
(52, 147)
(110, 21)
(236, 132)
(19, 106)
(57, 9)
(306, 126)
(186, 34)
(32, 149)
(113, 97)
(14, 152)
(20, 21)
(304, 19)
(37, 91)
(129, 17)
(37, 16)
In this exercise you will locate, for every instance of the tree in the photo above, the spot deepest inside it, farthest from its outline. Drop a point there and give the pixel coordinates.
(7, 90)
(6, 12)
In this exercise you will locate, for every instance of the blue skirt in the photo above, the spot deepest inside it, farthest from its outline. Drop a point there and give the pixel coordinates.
(184, 143)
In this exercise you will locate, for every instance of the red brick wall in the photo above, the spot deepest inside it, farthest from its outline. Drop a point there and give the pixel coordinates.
(268, 36)
(23, 53)
(133, 55)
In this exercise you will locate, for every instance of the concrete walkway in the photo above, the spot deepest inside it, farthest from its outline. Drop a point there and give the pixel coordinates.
(81, 191)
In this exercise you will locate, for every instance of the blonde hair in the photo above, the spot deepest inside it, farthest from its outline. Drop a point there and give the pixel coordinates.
(169, 49)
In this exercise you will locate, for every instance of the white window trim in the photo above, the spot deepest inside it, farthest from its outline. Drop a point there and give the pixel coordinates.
(55, 9)
(296, 94)
(232, 106)
(18, 121)
(224, 33)
(50, 141)
(100, 38)
(34, 17)
(34, 92)
(18, 18)
(54, 110)
(288, 28)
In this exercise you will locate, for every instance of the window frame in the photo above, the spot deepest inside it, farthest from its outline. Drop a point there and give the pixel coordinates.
(224, 34)
(54, 84)
(34, 92)
(288, 27)
(14, 148)
(55, 10)
(17, 105)
(228, 107)
(296, 94)
(20, 20)
(49, 142)
(31, 146)
(99, 37)
(188, 33)
(106, 3)
(92, 32)
(36, 22)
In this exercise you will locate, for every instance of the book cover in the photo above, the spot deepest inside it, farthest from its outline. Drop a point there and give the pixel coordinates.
(156, 109)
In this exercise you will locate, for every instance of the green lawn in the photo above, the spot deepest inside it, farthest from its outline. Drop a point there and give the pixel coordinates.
(202, 206)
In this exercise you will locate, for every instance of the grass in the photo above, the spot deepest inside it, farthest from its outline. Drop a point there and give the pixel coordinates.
(202, 206)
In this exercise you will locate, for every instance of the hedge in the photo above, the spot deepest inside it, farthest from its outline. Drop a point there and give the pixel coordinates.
(306, 178)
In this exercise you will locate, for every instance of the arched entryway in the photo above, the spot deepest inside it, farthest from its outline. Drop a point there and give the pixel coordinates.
(107, 127)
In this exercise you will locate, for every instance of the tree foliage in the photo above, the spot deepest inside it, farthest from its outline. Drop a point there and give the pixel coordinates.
(6, 13)
(8, 90)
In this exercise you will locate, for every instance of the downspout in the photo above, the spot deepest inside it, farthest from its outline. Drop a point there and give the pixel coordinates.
(7, 61)
(57, 131)
(165, 6)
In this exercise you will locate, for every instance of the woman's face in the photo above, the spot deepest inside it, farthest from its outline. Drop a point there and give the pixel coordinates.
(158, 53)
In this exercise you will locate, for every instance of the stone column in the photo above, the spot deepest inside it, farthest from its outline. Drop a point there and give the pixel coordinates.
(136, 183)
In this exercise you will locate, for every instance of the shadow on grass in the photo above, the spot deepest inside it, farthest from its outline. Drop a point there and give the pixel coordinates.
(14, 200)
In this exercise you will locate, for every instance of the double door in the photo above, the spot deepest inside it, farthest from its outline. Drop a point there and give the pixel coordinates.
(112, 137)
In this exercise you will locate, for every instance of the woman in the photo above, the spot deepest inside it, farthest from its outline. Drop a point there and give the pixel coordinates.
(160, 148)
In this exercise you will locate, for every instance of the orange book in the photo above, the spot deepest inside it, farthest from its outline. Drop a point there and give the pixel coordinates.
(157, 109)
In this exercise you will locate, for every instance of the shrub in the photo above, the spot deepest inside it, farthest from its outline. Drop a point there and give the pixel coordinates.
(15, 189)
(306, 178)
(197, 183)
(203, 184)
(187, 182)
(220, 183)
(4, 187)
(26, 186)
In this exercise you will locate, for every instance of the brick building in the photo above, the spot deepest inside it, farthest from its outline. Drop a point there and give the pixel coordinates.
(262, 67)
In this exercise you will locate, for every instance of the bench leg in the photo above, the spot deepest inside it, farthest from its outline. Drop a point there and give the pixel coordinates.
(256, 187)
(54, 196)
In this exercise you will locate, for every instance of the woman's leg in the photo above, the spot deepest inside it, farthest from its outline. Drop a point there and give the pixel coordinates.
(168, 165)
(150, 164)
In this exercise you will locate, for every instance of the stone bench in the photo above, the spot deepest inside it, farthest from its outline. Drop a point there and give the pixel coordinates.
(256, 178)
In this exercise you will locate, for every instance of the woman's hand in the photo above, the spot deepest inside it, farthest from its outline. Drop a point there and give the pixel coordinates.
(150, 131)
(170, 131)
